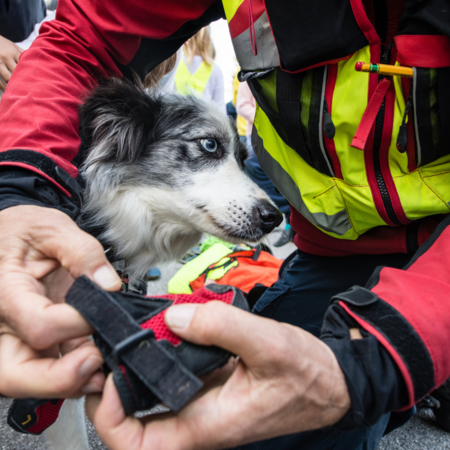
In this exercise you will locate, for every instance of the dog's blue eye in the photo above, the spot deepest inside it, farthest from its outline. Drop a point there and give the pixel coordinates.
(210, 145)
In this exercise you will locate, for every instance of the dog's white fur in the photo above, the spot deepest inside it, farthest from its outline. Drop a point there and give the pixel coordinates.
(69, 430)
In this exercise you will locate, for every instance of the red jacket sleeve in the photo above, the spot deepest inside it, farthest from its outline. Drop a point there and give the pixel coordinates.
(408, 311)
(90, 39)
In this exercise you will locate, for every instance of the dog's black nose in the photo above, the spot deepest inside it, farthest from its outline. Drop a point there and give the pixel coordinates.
(266, 216)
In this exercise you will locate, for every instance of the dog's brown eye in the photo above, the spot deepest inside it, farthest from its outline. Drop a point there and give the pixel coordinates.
(210, 145)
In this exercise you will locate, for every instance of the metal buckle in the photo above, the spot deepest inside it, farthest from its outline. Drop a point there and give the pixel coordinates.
(131, 341)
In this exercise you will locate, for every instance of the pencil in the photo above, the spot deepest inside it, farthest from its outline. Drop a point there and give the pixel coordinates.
(384, 69)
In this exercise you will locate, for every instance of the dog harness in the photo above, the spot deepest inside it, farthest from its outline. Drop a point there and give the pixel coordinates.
(150, 364)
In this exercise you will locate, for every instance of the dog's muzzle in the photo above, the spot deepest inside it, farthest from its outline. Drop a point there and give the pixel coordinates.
(266, 217)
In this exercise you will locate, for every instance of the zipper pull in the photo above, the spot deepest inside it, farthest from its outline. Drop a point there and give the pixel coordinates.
(402, 138)
(328, 125)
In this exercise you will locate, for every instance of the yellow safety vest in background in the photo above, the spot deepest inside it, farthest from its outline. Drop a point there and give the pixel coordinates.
(188, 84)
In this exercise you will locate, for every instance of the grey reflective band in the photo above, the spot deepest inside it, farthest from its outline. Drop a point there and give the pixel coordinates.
(338, 223)
(267, 54)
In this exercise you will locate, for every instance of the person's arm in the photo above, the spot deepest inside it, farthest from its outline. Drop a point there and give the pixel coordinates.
(245, 103)
(89, 40)
(406, 313)
(9, 57)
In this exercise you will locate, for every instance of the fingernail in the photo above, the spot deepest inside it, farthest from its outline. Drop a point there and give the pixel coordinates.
(91, 365)
(91, 388)
(106, 277)
(179, 317)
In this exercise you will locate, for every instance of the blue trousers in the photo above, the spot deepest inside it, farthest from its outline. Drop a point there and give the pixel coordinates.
(301, 297)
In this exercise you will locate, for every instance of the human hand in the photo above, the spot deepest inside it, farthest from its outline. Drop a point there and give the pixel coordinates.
(41, 252)
(9, 57)
(285, 381)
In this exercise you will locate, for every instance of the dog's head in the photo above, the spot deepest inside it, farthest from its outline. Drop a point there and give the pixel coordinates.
(167, 167)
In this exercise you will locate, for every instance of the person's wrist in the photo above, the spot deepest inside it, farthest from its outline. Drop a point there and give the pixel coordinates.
(325, 381)
(332, 381)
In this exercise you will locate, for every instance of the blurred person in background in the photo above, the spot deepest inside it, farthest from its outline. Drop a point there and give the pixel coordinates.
(162, 78)
(197, 73)
(246, 108)
(19, 26)
(241, 123)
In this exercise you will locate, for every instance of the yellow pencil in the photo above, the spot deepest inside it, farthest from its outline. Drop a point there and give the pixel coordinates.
(384, 69)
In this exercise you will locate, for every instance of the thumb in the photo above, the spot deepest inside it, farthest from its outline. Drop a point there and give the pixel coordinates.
(77, 251)
(228, 327)
(117, 430)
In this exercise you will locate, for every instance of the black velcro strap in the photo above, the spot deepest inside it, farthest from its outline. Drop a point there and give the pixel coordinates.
(47, 166)
(403, 338)
(160, 372)
(357, 296)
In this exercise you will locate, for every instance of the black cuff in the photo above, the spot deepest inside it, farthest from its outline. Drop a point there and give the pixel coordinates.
(374, 382)
(24, 187)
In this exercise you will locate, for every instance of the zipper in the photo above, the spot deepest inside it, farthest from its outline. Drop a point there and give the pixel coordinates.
(377, 140)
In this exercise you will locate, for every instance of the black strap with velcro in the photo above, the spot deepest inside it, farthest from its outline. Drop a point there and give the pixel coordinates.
(137, 349)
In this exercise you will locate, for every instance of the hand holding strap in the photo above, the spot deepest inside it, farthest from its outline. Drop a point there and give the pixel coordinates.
(136, 348)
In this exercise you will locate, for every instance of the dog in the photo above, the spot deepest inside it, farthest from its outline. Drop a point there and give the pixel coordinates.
(162, 170)
(159, 170)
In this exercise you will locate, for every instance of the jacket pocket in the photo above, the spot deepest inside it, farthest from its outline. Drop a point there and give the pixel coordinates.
(431, 107)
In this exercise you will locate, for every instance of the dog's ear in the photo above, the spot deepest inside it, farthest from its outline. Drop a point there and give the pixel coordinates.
(117, 121)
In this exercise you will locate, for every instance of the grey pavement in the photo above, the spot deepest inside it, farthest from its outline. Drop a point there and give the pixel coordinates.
(421, 433)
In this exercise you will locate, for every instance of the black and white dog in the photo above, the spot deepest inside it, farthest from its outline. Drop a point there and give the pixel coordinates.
(159, 172)
(162, 170)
